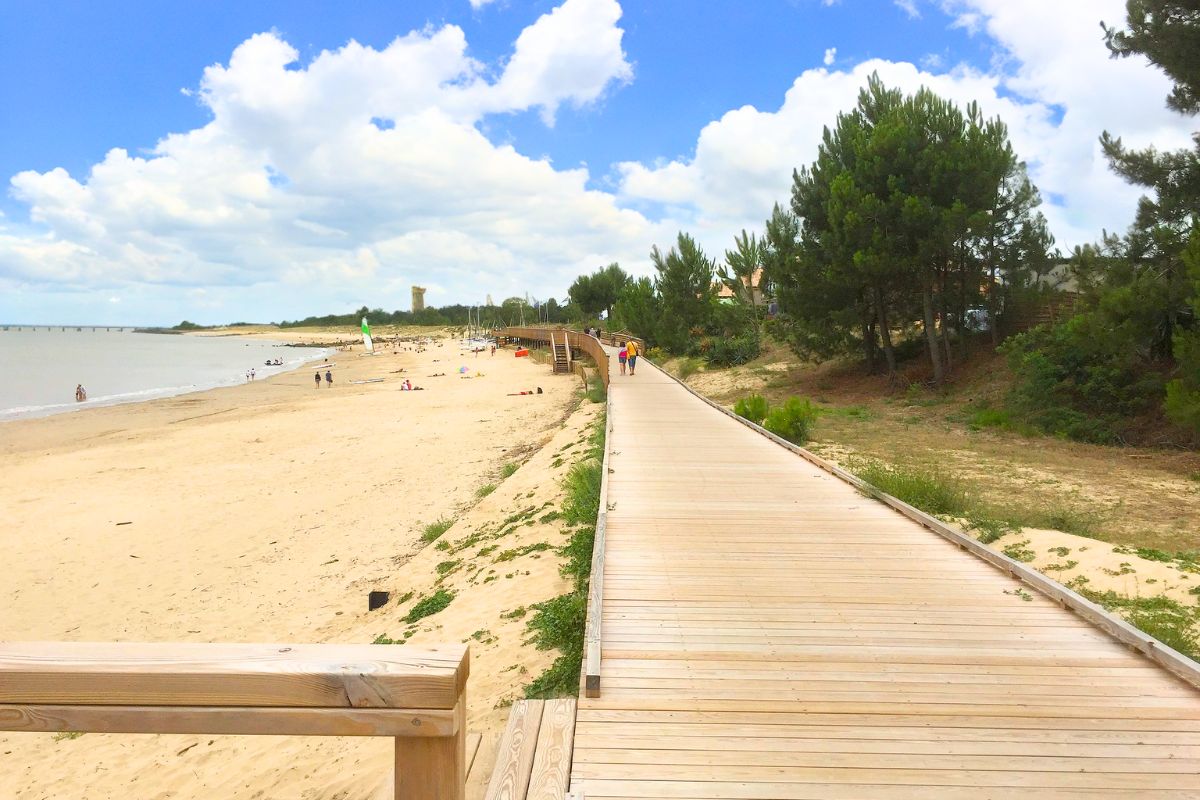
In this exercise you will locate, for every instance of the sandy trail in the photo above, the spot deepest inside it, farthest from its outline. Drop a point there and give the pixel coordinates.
(266, 512)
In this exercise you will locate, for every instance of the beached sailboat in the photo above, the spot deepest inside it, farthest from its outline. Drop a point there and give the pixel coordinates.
(366, 331)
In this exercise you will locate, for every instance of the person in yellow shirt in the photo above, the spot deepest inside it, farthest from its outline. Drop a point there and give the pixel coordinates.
(631, 351)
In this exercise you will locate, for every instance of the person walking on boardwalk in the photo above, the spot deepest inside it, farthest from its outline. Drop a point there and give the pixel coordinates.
(622, 354)
(631, 351)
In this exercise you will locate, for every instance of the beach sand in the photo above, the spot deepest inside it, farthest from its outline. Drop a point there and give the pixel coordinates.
(266, 513)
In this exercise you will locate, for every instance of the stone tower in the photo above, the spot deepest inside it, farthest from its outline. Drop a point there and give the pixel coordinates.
(418, 298)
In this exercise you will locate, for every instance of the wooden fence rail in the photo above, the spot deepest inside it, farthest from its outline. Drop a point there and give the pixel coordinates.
(416, 696)
(575, 340)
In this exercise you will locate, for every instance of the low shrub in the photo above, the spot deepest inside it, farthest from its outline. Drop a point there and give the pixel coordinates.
(752, 407)
(688, 367)
(792, 421)
(731, 351)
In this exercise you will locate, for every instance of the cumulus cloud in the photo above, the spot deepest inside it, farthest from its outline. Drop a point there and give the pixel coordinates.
(1053, 84)
(361, 168)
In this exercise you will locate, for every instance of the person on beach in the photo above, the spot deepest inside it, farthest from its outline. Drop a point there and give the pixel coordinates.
(631, 352)
(317, 377)
(329, 379)
(252, 374)
(621, 356)
(80, 393)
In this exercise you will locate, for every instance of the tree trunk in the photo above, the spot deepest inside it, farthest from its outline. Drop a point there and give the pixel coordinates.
(885, 334)
(931, 337)
(945, 298)
(868, 334)
(992, 307)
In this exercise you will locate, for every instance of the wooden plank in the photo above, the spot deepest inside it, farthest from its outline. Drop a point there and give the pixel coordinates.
(243, 675)
(769, 632)
(233, 720)
(617, 789)
(552, 762)
(514, 758)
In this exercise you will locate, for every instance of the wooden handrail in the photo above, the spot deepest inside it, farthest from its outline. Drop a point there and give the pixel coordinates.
(416, 696)
(574, 339)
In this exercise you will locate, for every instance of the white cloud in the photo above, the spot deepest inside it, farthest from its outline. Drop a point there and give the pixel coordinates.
(908, 7)
(321, 183)
(478, 4)
(1056, 89)
(830, 56)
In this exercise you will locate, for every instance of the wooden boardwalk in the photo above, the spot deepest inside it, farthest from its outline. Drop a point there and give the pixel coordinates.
(768, 632)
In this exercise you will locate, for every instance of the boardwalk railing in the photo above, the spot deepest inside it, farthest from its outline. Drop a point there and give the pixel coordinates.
(415, 696)
(575, 340)
(592, 632)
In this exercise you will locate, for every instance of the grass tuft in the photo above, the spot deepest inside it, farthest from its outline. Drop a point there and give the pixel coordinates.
(508, 469)
(929, 490)
(434, 530)
(485, 490)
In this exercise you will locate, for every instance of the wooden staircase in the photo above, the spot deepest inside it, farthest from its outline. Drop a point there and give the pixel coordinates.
(562, 354)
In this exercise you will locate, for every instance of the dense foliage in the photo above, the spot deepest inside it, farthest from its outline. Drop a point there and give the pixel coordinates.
(914, 214)
(599, 291)
(1134, 350)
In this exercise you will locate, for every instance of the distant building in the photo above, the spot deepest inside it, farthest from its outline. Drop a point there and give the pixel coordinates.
(725, 293)
(418, 298)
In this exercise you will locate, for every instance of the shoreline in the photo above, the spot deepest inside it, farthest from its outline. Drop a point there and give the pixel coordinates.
(137, 396)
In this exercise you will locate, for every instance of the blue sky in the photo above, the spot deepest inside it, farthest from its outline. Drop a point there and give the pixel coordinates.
(628, 102)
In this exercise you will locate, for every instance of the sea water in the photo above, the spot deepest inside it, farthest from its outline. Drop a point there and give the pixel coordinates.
(39, 368)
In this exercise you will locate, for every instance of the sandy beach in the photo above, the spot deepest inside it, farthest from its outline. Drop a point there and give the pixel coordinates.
(266, 513)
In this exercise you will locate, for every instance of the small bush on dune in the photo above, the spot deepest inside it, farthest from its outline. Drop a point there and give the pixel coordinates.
(753, 408)
(792, 421)
(688, 367)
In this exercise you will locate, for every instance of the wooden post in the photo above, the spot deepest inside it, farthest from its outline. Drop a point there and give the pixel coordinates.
(434, 768)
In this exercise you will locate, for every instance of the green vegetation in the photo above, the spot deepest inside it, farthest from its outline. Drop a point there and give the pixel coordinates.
(427, 606)
(688, 367)
(792, 421)
(485, 490)
(752, 407)
(434, 530)
(931, 491)
(67, 735)
(1167, 620)
(508, 469)
(558, 623)
(595, 392)
(446, 567)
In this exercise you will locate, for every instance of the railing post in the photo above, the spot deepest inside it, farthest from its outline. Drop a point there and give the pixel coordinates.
(434, 768)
